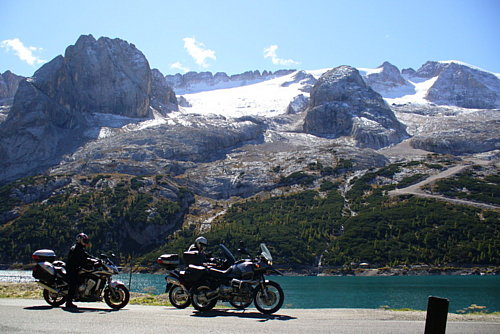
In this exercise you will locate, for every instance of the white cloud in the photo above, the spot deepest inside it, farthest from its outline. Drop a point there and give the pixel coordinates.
(180, 67)
(270, 52)
(22, 52)
(198, 51)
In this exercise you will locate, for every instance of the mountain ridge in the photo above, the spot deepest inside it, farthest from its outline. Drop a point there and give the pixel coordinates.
(263, 108)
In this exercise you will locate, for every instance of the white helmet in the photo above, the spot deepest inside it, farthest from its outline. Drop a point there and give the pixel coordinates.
(201, 243)
(82, 239)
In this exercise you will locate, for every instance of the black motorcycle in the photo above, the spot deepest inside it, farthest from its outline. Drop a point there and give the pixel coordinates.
(180, 280)
(240, 284)
(95, 281)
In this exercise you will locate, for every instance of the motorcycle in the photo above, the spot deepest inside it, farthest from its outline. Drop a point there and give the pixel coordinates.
(94, 284)
(240, 284)
(179, 281)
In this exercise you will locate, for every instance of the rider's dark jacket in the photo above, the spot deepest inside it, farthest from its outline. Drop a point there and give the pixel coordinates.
(77, 258)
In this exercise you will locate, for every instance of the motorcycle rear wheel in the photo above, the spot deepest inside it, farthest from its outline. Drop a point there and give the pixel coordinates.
(199, 298)
(179, 297)
(117, 300)
(270, 299)
(53, 299)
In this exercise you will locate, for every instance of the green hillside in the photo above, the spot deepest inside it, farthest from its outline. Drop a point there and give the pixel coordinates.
(300, 228)
(331, 218)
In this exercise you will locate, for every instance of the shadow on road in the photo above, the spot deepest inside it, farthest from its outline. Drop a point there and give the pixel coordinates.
(242, 314)
(71, 310)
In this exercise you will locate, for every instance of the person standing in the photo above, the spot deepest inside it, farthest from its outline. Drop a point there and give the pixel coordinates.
(77, 258)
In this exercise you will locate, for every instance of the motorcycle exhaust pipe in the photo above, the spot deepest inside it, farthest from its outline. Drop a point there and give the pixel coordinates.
(45, 286)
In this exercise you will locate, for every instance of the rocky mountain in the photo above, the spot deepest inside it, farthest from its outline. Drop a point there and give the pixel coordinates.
(447, 83)
(100, 108)
(342, 104)
(53, 111)
(8, 84)
(384, 77)
(461, 85)
(8, 87)
(193, 82)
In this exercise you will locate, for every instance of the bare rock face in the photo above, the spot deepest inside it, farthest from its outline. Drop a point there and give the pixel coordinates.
(341, 104)
(8, 84)
(163, 97)
(387, 77)
(105, 76)
(50, 113)
(460, 85)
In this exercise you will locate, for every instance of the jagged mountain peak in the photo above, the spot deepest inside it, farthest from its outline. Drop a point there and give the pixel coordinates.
(52, 113)
(342, 104)
(195, 82)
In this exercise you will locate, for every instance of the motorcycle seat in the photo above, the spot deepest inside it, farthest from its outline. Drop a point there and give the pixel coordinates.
(220, 273)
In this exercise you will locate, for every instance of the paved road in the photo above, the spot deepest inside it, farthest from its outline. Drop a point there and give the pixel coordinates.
(34, 316)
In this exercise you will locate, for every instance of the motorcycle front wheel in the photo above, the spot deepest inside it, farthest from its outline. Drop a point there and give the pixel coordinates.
(179, 297)
(200, 298)
(116, 297)
(53, 299)
(268, 297)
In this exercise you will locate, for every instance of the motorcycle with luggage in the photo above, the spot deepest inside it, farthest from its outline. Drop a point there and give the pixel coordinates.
(95, 283)
(181, 279)
(242, 283)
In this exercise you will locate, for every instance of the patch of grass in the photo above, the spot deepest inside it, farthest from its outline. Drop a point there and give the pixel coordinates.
(20, 290)
(149, 299)
(402, 309)
(475, 309)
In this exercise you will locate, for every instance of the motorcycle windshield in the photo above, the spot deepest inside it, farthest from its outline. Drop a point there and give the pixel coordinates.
(265, 252)
(228, 254)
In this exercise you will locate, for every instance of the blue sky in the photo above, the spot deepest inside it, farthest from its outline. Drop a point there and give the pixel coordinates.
(240, 35)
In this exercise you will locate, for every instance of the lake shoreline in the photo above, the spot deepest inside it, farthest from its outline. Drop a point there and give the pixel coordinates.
(467, 293)
(420, 270)
(410, 270)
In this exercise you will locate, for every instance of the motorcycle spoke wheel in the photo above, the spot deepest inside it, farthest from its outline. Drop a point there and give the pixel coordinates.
(179, 297)
(270, 298)
(117, 297)
(53, 299)
(200, 299)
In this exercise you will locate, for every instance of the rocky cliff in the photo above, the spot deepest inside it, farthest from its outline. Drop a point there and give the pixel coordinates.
(385, 77)
(341, 104)
(51, 111)
(460, 85)
(8, 84)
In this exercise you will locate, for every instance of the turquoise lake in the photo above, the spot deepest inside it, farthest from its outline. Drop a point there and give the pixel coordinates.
(350, 291)
(367, 292)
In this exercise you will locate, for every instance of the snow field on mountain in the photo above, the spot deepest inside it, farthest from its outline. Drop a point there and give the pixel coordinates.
(267, 99)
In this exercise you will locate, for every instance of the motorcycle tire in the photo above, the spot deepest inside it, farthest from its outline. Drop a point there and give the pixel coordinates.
(199, 298)
(273, 301)
(121, 298)
(53, 299)
(179, 297)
